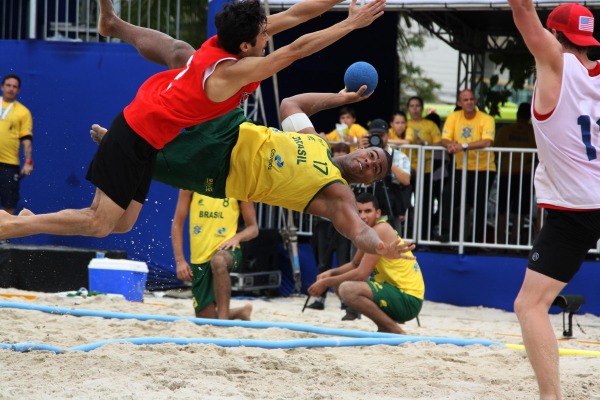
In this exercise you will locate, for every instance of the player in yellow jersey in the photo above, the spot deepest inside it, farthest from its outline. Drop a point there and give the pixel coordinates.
(396, 290)
(15, 132)
(215, 250)
(227, 157)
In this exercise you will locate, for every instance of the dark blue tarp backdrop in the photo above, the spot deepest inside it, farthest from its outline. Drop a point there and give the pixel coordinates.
(67, 87)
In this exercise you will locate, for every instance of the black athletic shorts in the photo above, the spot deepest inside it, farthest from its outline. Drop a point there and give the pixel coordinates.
(9, 185)
(564, 241)
(123, 165)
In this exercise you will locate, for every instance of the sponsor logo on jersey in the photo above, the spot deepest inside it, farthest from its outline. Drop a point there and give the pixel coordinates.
(275, 158)
(209, 185)
(197, 229)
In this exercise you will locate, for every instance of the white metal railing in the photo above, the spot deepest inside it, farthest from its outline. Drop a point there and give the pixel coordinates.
(77, 20)
(507, 225)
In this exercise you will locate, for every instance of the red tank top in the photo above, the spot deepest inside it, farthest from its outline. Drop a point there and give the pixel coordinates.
(172, 100)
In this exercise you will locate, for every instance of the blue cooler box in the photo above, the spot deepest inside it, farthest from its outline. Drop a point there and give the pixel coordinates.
(124, 277)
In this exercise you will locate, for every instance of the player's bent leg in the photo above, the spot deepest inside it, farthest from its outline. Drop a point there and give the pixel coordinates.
(129, 217)
(210, 311)
(153, 45)
(220, 264)
(359, 296)
(531, 306)
(242, 313)
(99, 220)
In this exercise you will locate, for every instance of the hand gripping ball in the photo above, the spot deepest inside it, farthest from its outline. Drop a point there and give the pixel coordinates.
(361, 73)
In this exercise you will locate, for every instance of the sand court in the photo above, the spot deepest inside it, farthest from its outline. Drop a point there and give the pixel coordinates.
(459, 367)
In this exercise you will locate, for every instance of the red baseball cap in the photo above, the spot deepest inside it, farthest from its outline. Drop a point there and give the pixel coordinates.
(575, 21)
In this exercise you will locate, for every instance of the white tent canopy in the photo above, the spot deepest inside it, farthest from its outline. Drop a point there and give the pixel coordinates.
(451, 5)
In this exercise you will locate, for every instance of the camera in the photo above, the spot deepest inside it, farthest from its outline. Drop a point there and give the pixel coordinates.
(377, 128)
(375, 140)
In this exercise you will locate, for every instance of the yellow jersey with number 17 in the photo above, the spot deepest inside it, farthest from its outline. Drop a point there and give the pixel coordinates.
(284, 168)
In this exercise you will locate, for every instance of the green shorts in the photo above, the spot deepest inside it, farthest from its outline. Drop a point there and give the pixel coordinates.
(202, 281)
(399, 306)
(198, 159)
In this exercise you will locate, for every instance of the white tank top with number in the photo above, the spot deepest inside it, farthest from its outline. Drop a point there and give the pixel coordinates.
(568, 142)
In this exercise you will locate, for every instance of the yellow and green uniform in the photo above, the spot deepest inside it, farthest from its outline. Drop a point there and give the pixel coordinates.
(280, 168)
(211, 222)
(462, 130)
(15, 124)
(427, 131)
(228, 157)
(398, 286)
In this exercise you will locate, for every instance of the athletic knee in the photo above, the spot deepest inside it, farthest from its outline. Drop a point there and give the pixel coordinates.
(100, 227)
(124, 226)
(523, 306)
(347, 291)
(221, 262)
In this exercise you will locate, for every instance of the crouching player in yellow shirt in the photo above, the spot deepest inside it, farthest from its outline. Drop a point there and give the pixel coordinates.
(395, 291)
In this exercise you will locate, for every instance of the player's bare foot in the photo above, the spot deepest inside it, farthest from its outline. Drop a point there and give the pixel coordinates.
(25, 213)
(97, 133)
(246, 312)
(107, 19)
(395, 329)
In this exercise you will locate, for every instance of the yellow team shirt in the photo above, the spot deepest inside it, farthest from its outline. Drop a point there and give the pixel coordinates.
(284, 168)
(404, 274)
(357, 131)
(15, 123)
(427, 131)
(482, 126)
(212, 221)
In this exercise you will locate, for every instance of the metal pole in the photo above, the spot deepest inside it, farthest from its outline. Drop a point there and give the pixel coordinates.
(274, 78)
(32, 19)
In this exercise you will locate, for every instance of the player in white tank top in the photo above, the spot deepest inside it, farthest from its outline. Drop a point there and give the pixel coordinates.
(567, 182)
(568, 175)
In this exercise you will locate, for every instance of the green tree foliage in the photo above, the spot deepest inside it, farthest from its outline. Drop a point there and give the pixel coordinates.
(162, 16)
(412, 77)
(519, 63)
(491, 97)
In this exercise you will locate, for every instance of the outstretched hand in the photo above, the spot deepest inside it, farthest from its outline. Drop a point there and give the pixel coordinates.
(353, 97)
(365, 14)
(395, 249)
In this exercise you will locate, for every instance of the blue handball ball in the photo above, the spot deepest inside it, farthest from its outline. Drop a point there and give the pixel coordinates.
(361, 73)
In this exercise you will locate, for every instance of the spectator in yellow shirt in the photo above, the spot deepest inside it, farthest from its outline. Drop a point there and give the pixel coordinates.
(468, 130)
(347, 130)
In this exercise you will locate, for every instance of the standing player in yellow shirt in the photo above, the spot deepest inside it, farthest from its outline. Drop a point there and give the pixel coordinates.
(214, 248)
